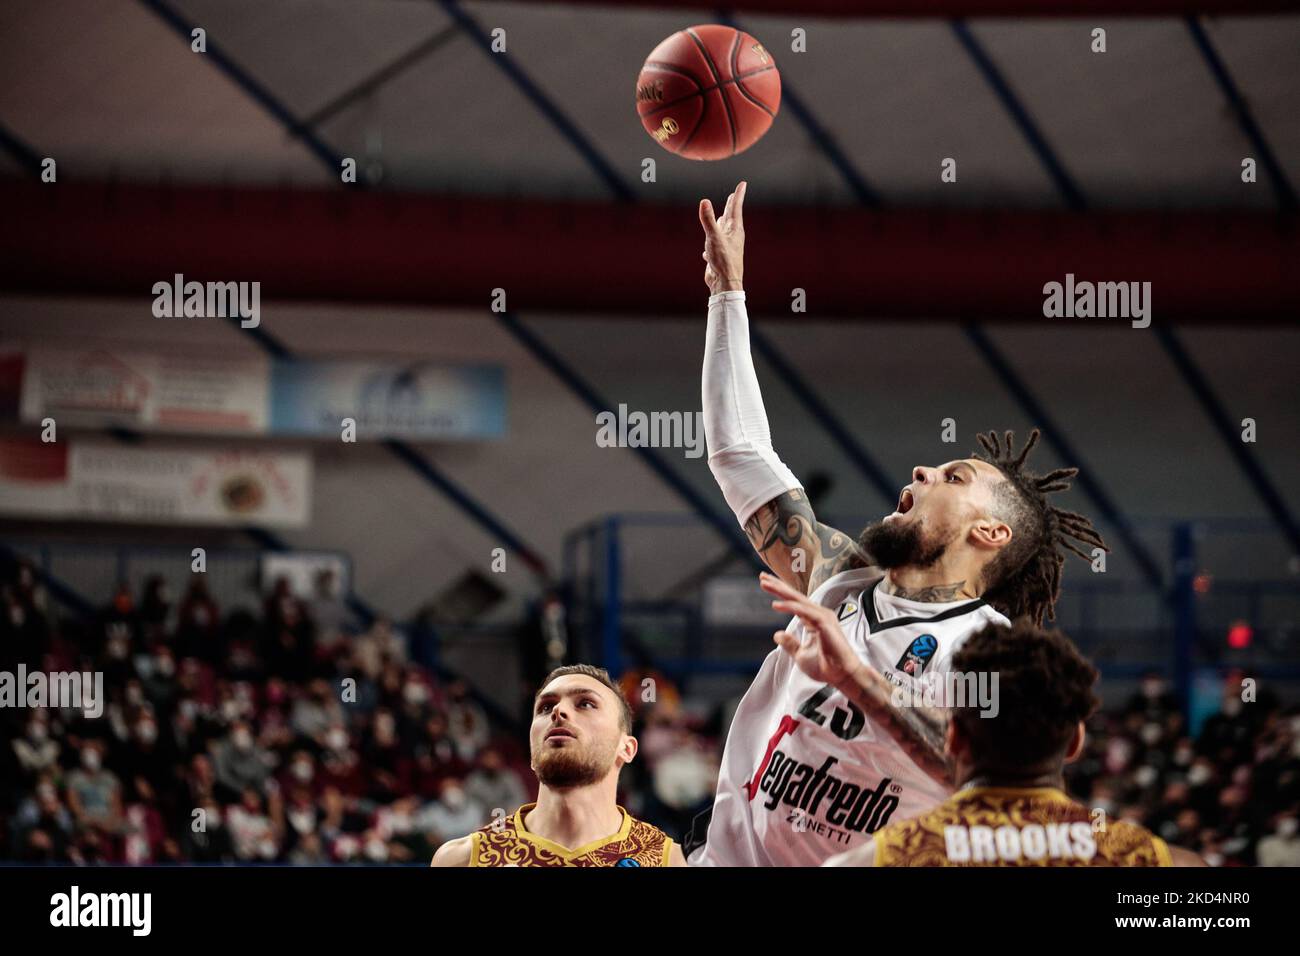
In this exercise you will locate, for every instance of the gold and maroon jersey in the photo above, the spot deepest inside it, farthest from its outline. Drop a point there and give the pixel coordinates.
(1021, 826)
(506, 842)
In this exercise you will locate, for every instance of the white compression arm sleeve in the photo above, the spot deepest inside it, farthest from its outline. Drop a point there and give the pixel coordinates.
(735, 424)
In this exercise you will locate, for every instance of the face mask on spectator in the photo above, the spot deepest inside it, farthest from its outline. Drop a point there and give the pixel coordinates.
(1151, 689)
(164, 665)
(415, 693)
(243, 740)
(453, 798)
(1183, 756)
(337, 738)
(90, 759)
(148, 731)
(1232, 707)
(117, 648)
(134, 696)
(17, 615)
(45, 792)
(37, 733)
(188, 709)
(1145, 776)
(301, 770)
(1198, 775)
(1286, 827)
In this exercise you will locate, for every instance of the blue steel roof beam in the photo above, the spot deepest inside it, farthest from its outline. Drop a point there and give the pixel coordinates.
(1075, 199)
(427, 471)
(1286, 196)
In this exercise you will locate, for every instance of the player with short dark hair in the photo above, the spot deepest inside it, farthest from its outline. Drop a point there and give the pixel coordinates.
(580, 739)
(1012, 809)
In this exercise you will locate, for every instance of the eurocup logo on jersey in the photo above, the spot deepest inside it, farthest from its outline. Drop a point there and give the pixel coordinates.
(918, 654)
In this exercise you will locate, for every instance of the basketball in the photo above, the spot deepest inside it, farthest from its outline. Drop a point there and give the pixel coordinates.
(708, 92)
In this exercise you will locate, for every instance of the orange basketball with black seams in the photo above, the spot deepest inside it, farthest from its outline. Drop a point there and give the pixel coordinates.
(708, 92)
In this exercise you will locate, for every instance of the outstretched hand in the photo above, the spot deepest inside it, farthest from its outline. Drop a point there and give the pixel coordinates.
(724, 243)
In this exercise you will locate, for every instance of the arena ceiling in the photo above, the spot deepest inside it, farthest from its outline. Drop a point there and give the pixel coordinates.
(113, 90)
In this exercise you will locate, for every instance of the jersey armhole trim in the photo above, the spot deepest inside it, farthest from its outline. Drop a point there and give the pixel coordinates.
(473, 848)
(1163, 856)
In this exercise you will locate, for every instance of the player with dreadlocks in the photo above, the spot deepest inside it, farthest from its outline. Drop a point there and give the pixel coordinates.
(819, 755)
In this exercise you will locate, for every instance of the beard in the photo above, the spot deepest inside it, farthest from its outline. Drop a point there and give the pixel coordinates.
(902, 546)
(571, 766)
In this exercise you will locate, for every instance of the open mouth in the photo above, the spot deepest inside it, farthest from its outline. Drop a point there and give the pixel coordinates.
(559, 732)
(905, 502)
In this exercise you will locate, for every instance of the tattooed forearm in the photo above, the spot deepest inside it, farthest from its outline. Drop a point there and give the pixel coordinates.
(919, 731)
(936, 593)
(796, 546)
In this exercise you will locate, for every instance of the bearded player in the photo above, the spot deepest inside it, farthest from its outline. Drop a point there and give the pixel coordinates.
(811, 769)
(580, 739)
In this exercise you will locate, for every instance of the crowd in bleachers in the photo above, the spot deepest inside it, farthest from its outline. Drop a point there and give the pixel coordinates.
(292, 736)
(282, 737)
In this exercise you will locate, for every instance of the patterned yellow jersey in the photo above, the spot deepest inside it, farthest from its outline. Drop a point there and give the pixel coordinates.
(506, 842)
(1021, 826)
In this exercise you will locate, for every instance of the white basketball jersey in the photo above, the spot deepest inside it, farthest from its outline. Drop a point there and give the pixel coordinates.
(805, 774)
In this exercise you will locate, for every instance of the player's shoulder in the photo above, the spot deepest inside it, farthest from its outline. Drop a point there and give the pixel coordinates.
(651, 843)
(458, 852)
(1137, 845)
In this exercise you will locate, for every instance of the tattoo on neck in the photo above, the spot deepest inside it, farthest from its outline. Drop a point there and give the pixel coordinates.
(936, 593)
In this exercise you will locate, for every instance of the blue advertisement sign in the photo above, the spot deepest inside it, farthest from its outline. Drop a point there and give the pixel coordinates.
(416, 400)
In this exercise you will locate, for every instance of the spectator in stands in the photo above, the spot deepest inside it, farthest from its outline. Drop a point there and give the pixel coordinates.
(1282, 846)
(313, 713)
(204, 838)
(308, 851)
(36, 752)
(94, 792)
(467, 721)
(455, 813)
(253, 831)
(340, 765)
(42, 827)
(198, 623)
(328, 612)
(155, 608)
(241, 764)
(494, 785)
(144, 833)
(380, 645)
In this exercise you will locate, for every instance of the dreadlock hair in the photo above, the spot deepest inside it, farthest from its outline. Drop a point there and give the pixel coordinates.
(1044, 687)
(1025, 577)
